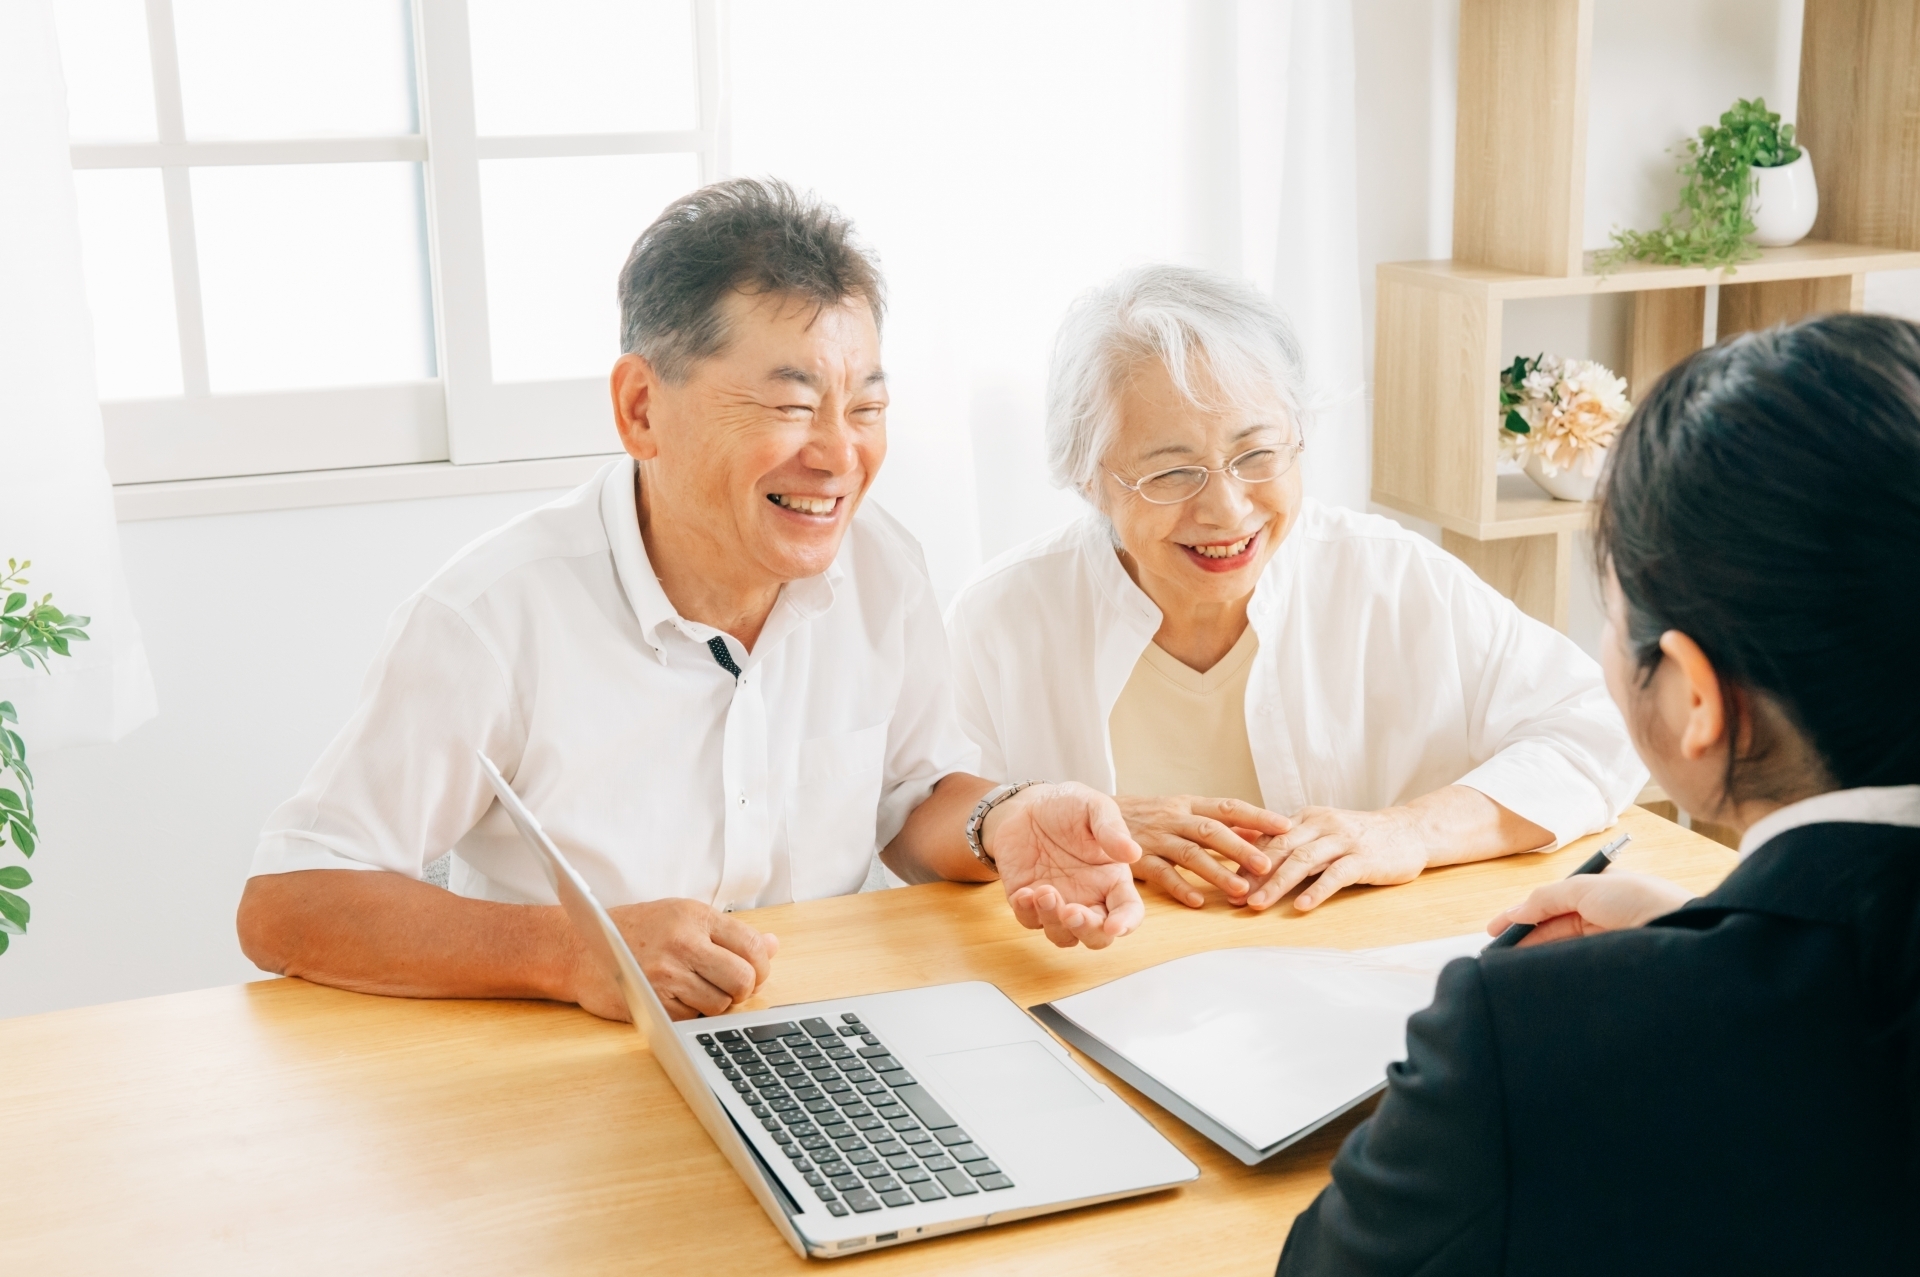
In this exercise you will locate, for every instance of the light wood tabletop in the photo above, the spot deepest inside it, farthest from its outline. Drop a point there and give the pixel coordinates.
(282, 1127)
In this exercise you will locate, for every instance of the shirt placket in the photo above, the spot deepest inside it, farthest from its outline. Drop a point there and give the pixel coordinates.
(748, 864)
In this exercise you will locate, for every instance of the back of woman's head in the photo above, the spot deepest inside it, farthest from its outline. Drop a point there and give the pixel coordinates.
(1764, 500)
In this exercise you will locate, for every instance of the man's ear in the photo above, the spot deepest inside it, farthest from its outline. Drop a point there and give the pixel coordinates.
(636, 392)
(1703, 717)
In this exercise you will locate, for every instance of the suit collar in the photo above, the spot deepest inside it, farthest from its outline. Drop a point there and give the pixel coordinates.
(1832, 872)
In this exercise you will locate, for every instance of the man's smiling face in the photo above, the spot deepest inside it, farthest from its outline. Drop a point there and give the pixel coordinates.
(769, 445)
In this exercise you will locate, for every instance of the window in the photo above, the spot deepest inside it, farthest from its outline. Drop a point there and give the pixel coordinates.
(339, 233)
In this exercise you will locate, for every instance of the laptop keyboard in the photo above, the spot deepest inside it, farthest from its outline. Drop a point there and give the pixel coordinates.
(858, 1128)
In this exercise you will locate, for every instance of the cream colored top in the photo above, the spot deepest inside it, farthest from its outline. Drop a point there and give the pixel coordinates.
(1178, 731)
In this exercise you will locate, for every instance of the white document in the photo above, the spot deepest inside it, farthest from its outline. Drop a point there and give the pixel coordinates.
(1267, 1043)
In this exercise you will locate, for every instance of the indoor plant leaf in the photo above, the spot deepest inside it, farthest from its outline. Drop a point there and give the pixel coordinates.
(15, 877)
(15, 909)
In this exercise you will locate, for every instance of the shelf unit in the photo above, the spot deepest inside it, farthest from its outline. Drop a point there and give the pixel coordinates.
(1519, 193)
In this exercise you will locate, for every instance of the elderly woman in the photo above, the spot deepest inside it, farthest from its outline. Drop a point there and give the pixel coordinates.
(1278, 692)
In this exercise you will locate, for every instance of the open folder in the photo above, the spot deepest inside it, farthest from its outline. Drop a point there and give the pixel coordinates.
(1257, 1048)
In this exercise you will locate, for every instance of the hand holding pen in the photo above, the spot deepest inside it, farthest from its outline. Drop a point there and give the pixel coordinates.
(1587, 903)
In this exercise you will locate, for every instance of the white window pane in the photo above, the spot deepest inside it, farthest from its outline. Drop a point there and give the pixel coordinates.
(557, 233)
(312, 275)
(103, 50)
(123, 247)
(295, 68)
(583, 66)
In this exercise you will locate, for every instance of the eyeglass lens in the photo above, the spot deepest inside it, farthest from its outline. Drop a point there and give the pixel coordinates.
(1180, 483)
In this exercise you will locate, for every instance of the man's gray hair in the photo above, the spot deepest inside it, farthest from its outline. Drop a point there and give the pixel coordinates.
(744, 235)
(1221, 343)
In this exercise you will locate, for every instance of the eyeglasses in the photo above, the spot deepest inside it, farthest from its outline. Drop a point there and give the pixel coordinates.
(1170, 487)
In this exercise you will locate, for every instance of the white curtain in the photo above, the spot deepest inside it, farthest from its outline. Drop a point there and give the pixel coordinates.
(56, 505)
(1005, 155)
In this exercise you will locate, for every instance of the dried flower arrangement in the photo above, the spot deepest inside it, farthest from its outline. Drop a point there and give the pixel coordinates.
(1560, 415)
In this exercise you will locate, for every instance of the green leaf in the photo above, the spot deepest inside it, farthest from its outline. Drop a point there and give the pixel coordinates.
(15, 909)
(3, 942)
(7, 714)
(1517, 423)
(9, 927)
(14, 876)
(16, 601)
(11, 801)
(25, 837)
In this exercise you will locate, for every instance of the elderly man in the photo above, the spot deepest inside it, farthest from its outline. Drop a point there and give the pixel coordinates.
(718, 677)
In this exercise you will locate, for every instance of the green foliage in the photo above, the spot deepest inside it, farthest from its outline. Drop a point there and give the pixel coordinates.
(1512, 392)
(1711, 225)
(32, 631)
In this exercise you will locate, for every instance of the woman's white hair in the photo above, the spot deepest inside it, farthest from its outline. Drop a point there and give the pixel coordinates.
(1221, 343)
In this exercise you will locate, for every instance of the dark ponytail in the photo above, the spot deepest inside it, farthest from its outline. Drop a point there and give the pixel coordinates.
(1764, 500)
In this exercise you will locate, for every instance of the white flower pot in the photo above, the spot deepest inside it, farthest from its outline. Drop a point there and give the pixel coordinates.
(1569, 485)
(1784, 203)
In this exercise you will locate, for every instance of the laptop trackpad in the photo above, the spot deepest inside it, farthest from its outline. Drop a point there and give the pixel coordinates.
(1019, 1079)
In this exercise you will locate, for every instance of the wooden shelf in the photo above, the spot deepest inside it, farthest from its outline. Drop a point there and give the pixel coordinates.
(1520, 510)
(1809, 259)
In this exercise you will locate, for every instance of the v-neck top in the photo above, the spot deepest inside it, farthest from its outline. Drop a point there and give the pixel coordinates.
(1178, 730)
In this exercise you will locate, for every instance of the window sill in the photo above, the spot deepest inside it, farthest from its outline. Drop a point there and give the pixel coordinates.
(187, 498)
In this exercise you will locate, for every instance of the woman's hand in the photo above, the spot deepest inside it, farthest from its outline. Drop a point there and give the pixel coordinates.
(1590, 904)
(1340, 848)
(1191, 832)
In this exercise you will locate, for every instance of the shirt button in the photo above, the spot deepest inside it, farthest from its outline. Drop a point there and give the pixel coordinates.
(743, 800)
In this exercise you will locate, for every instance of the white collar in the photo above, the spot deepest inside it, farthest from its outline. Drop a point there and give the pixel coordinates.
(1883, 805)
(620, 512)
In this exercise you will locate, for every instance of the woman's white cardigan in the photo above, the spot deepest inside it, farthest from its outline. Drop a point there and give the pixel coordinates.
(1386, 670)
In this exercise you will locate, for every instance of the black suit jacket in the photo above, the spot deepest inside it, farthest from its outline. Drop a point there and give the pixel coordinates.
(1732, 1088)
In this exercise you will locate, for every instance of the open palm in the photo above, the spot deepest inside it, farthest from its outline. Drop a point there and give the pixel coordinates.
(1064, 855)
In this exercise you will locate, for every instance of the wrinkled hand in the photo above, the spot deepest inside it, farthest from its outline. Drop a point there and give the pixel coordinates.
(1197, 834)
(699, 960)
(1339, 848)
(1064, 856)
(1590, 904)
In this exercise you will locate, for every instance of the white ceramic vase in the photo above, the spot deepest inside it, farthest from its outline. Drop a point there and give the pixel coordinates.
(1568, 485)
(1784, 203)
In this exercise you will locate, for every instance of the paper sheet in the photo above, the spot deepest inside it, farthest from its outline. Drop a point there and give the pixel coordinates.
(1266, 1041)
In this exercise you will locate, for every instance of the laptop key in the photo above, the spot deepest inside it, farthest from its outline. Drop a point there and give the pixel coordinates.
(868, 1052)
(817, 1027)
(966, 1152)
(883, 1063)
(901, 1161)
(939, 1163)
(924, 1107)
(814, 1143)
(727, 1035)
(887, 1148)
(767, 1032)
(917, 1137)
(896, 1077)
(838, 1208)
(994, 1182)
(825, 1194)
(927, 1191)
(859, 1075)
(904, 1124)
(847, 1143)
(771, 1123)
(836, 1130)
(913, 1175)
(846, 1182)
(977, 1169)
(820, 1104)
(862, 1157)
(815, 1179)
(874, 1170)
(849, 1030)
(884, 1186)
(956, 1183)
(953, 1135)
(861, 1200)
(870, 1086)
(898, 1197)
(868, 1123)
(856, 1110)
(890, 1110)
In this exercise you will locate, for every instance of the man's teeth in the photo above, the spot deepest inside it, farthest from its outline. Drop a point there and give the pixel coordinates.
(1222, 551)
(806, 505)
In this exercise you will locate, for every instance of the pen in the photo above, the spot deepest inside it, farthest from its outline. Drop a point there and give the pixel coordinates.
(1596, 863)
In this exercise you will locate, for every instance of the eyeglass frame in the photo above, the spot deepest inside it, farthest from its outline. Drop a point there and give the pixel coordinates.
(1294, 449)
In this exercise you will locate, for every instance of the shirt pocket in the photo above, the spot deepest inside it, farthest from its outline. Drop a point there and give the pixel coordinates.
(831, 821)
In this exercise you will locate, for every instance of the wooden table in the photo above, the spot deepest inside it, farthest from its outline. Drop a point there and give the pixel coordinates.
(282, 1127)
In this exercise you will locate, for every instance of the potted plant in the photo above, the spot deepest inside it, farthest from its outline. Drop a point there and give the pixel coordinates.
(1558, 417)
(30, 631)
(1747, 182)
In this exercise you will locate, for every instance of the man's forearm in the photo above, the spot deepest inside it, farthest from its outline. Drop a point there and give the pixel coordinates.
(932, 845)
(376, 932)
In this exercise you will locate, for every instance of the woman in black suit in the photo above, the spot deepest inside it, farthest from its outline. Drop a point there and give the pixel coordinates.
(1731, 1083)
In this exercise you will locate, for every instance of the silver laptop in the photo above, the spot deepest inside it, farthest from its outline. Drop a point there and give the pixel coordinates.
(872, 1121)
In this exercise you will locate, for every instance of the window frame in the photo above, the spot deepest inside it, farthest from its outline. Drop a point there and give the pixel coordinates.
(461, 415)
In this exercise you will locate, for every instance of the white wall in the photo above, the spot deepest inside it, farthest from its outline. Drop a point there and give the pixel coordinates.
(260, 626)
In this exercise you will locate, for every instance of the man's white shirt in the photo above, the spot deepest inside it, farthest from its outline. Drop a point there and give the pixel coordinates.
(551, 645)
